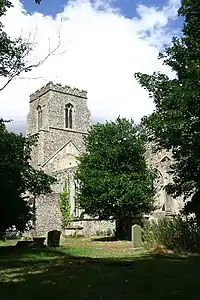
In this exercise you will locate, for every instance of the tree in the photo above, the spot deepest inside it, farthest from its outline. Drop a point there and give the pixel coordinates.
(175, 123)
(14, 53)
(115, 182)
(17, 177)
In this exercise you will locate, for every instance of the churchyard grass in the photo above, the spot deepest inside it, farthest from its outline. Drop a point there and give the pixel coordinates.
(91, 268)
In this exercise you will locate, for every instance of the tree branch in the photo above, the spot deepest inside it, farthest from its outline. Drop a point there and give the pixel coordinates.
(29, 67)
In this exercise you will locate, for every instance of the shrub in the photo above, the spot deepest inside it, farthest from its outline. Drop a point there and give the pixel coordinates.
(174, 233)
(107, 232)
(65, 206)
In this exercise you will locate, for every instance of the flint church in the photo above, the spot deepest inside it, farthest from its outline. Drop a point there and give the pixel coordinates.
(60, 115)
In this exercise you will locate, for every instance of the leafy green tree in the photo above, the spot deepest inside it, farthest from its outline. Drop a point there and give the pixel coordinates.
(115, 182)
(17, 177)
(13, 53)
(175, 123)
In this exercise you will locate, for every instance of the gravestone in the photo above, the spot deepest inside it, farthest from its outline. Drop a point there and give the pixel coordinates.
(53, 238)
(23, 244)
(39, 242)
(136, 236)
(36, 243)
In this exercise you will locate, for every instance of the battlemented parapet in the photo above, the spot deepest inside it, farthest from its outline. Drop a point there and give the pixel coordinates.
(50, 86)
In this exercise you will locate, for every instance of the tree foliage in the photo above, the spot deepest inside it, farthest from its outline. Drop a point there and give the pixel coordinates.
(13, 53)
(115, 181)
(175, 123)
(17, 177)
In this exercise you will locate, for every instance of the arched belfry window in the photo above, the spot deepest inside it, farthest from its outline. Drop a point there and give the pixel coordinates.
(68, 116)
(39, 111)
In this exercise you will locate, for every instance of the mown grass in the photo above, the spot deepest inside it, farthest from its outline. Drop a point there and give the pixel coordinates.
(86, 268)
(99, 247)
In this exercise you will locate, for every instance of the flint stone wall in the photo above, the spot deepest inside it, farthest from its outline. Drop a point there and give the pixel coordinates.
(48, 216)
(95, 227)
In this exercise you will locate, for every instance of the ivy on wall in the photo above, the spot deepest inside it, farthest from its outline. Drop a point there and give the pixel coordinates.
(65, 206)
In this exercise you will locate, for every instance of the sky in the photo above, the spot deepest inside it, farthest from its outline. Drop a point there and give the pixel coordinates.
(96, 45)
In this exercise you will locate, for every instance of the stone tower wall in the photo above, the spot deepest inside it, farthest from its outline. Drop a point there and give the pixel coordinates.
(57, 146)
(52, 99)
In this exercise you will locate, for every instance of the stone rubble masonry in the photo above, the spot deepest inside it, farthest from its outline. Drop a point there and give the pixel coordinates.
(95, 227)
(53, 134)
(57, 147)
(57, 151)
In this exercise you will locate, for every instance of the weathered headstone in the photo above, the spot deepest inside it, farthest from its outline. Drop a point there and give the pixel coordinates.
(136, 236)
(53, 238)
(23, 244)
(39, 242)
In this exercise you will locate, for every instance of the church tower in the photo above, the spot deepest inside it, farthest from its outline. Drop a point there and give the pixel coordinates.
(61, 118)
(59, 114)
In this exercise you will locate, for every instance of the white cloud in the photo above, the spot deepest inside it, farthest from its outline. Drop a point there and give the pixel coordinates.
(104, 50)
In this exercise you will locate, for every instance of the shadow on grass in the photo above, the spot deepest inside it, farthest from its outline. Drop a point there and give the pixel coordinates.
(14, 251)
(105, 239)
(50, 274)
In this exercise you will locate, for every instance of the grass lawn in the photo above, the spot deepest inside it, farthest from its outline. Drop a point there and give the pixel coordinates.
(93, 269)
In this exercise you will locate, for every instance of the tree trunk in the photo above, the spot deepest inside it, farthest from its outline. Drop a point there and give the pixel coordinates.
(123, 229)
(197, 214)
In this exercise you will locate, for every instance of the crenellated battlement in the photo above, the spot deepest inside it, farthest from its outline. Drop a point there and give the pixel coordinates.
(50, 86)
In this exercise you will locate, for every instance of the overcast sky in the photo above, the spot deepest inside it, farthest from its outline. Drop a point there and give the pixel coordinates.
(103, 43)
